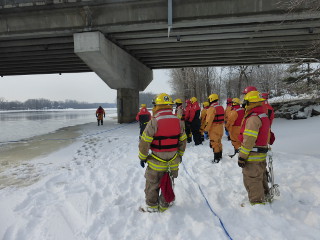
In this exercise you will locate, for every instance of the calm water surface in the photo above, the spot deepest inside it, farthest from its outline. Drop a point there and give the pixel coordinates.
(25, 124)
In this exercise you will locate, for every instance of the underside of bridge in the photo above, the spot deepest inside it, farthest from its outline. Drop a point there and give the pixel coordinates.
(37, 37)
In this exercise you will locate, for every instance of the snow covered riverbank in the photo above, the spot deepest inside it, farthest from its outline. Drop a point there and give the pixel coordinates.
(92, 189)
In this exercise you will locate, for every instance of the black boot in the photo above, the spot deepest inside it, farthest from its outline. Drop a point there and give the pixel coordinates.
(220, 155)
(235, 152)
(216, 158)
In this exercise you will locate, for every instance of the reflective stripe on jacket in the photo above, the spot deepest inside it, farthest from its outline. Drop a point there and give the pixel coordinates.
(162, 165)
(161, 161)
(254, 133)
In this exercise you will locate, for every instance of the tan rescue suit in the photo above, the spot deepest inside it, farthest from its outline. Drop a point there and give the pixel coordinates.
(233, 125)
(226, 116)
(166, 154)
(203, 120)
(254, 147)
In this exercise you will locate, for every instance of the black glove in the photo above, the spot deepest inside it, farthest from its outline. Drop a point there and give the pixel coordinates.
(180, 159)
(142, 163)
(241, 162)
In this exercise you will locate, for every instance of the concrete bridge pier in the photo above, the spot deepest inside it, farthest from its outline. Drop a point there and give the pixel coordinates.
(118, 69)
(127, 100)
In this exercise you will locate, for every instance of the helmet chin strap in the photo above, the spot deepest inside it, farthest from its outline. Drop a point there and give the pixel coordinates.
(244, 104)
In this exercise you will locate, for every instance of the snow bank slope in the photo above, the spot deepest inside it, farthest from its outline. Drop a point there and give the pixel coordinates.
(93, 188)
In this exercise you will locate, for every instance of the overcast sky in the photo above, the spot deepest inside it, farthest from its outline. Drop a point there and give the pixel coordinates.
(87, 87)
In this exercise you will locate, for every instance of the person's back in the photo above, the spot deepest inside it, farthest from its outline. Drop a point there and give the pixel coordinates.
(203, 114)
(194, 119)
(166, 138)
(187, 120)
(143, 117)
(100, 114)
(214, 126)
(234, 124)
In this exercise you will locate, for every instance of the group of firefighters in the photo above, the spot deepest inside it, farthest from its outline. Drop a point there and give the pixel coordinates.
(247, 122)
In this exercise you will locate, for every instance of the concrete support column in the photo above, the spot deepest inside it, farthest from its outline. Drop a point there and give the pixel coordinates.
(127, 104)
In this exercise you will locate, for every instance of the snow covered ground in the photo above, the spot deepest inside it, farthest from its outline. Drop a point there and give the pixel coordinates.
(92, 189)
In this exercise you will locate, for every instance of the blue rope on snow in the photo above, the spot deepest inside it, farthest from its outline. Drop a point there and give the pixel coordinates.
(208, 204)
(59, 139)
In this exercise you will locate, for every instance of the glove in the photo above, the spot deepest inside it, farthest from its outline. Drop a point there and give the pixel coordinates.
(241, 162)
(142, 163)
(180, 159)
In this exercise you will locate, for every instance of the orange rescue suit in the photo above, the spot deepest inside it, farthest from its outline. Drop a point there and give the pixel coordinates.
(214, 126)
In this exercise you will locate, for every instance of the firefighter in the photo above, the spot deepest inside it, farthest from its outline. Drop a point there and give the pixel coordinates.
(100, 114)
(194, 120)
(205, 106)
(226, 113)
(179, 111)
(249, 89)
(143, 117)
(254, 136)
(166, 138)
(186, 120)
(214, 126)
(234, 124)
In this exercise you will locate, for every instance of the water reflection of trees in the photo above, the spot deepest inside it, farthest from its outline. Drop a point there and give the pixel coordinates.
(42, 104)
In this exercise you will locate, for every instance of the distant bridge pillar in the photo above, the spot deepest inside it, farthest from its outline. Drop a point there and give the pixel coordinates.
(118, 69)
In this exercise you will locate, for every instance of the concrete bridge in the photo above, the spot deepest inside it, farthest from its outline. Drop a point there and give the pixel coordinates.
(123, 40)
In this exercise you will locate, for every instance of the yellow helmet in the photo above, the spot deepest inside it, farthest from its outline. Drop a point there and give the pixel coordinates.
(178, 100)
(143, 105)
(235, 101)
(163, 99)
(213, 97)
(193, 100)
(253, 97)
(205, 104)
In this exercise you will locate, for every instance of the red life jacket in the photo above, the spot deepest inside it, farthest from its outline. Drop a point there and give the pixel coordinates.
(219, 117)
(187, 112)
(240, 112)
(262, 139)
(194, 111)
(167, 136)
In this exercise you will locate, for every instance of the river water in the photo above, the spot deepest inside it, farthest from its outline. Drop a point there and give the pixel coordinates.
(18, 125)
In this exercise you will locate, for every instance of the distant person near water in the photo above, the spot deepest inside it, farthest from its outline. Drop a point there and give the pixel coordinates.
(143, 117)
(100, 114)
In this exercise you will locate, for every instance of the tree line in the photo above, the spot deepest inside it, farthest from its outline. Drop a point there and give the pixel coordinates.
(42, 104)
(277, 80)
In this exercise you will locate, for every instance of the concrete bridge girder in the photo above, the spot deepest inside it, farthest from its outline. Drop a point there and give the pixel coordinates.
(116, 68)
